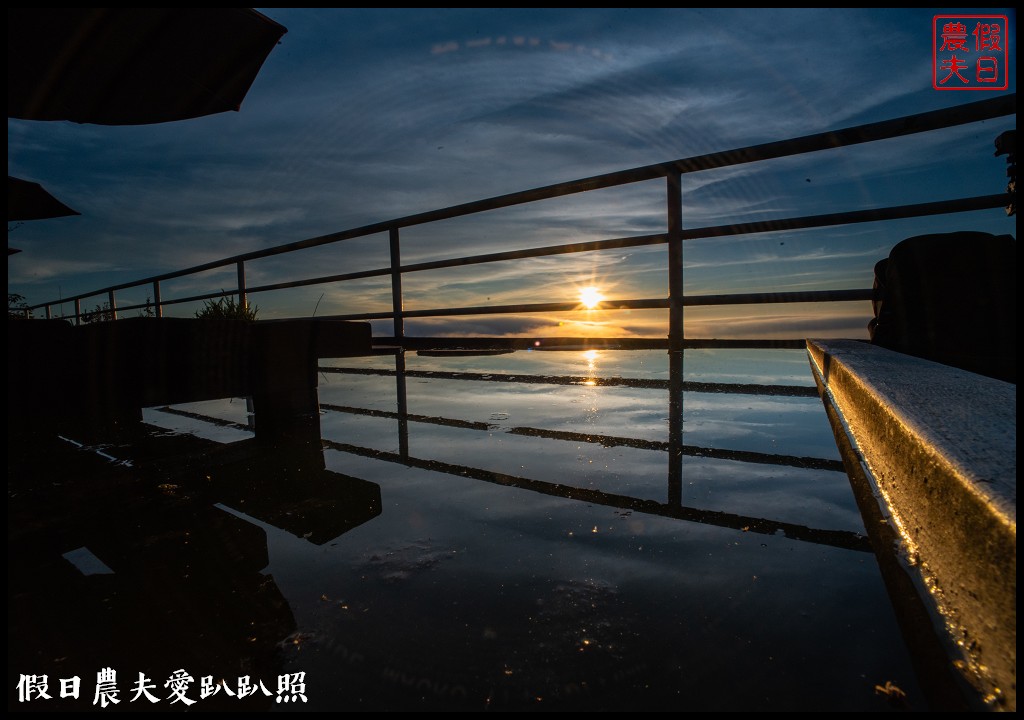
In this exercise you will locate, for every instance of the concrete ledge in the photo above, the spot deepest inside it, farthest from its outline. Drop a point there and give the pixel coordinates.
(940, 445)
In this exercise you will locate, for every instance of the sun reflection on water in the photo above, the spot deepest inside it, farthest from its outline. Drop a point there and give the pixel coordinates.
(591, 357)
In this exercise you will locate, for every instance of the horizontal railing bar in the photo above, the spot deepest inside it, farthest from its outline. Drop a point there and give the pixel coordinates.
(650, 303)
(911, 124)
(836, 538)
(747, 456)
(194, 298)
(744, 344)
(121, 309)
(524, 343)
(220, 422)
(575, 343)
(617, 243)
(802, 296)
(897, 212)
(649, 383)
(359, 275)
(869, 132)
(428, 419)
(640, 304)
(807, 463)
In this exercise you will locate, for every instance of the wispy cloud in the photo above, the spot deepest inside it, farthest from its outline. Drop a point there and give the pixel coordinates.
(45, 271)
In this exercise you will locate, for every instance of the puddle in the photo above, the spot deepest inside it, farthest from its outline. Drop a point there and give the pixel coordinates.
(439, 560)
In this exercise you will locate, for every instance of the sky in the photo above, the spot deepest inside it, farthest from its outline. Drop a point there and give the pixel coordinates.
(364, 115)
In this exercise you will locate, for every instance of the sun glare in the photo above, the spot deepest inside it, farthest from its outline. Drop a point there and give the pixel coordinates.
(590, 297)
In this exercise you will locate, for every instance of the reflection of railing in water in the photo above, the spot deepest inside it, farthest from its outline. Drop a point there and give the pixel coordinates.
(674, 446)
(648, 383)
(836, 538)
(675, 385)
(808, 463)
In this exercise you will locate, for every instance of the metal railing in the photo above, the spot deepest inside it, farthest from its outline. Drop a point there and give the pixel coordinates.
(674, 238)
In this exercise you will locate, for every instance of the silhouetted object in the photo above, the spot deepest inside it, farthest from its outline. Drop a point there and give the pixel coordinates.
(227, 308)
(951, 298)
(41, 372)
(188, 586)
(1006, 144)
(133, 66)
(288, 487)
(30, 201)
(106, 372)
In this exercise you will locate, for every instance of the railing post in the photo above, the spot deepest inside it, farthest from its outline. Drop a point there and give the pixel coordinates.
(243, 300)
(675, 259)
(399, 333)
(112, 301)
(403, 404)
(675, 428)
(396, 285)
(158, 308)
(673, 186)
(78, 312)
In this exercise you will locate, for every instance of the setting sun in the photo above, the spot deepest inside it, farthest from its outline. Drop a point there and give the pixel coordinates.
(590, 297)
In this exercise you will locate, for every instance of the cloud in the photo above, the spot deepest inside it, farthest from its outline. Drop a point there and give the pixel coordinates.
(45, 270)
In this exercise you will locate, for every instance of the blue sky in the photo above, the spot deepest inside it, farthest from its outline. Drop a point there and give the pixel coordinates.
(360, 116)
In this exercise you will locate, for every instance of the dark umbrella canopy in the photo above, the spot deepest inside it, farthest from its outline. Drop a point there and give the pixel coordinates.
(133, 66)
(30, 201)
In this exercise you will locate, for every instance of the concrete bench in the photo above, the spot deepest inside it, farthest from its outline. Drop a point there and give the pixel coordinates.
(939, 446)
